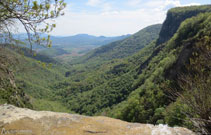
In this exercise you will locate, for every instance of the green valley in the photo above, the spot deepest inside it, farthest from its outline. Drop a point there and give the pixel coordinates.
(159, 75)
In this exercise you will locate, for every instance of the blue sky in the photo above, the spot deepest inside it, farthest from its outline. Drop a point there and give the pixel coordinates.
(115, 17)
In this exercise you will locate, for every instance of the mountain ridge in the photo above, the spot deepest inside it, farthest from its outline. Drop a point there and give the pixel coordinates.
(175, 17)
(148, 85)
(136, 88)
(125, 47)
(86, 39)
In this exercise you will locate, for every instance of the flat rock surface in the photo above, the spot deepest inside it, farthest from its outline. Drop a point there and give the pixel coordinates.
(19, 121)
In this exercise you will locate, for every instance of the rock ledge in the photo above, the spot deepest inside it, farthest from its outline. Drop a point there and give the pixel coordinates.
(14, 120)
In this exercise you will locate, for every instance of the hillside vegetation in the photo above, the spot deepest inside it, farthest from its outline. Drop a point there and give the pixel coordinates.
(9, 92)
(122, 48)
(151, 97)
(33, 75)
(175, 17)
(139, 88)
(160, 75)
(71, 47)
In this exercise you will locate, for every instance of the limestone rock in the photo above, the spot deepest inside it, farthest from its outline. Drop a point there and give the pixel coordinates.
(14, 120)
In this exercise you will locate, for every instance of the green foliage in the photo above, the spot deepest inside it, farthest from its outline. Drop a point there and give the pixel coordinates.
(34, 78)
(9, 93)
(175, 115)
(89, 91)
(108, 94)
(133, 81)
(123, 48)
(144, 103)
(132, 88)
(196, 83)
(175, 17)
(33, 15)
(53, 52)
(43, 104)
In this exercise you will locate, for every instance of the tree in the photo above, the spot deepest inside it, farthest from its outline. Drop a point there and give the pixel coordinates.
(195, 86)
(34, 15)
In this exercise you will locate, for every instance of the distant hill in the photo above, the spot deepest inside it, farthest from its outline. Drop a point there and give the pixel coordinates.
(137, 81)
(76, 40)
(125, 47)
(84, 40)
(68, 48)
(153, 76)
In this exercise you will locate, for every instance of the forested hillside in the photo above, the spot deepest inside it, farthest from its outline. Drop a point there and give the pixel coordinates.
(33, 74)
(36, 74)
(122, 48)
(164, 75)
(103, 82)
(175, 17)
(9, 92)
(139, 88)
(160, 75)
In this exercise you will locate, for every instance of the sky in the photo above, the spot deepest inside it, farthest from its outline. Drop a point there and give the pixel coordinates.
(114, 17)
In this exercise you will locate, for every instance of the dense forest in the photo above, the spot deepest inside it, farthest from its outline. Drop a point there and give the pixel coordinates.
(159, 75)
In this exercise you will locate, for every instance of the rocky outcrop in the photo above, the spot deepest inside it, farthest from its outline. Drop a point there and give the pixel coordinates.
(175, 17)
(15, 120)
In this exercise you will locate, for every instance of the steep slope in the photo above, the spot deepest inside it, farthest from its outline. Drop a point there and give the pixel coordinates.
(9, 92)
(136, 88)
(90, 91)
(34, 76)
(163, 73)
(167, 81)
(97, 85)
(175, 17)
(25, 121)
(124, 48)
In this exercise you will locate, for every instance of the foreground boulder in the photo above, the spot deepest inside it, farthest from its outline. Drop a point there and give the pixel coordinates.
(21, 121)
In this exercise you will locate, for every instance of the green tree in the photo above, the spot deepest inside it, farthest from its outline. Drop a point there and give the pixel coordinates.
(34, 15)
(195, 86)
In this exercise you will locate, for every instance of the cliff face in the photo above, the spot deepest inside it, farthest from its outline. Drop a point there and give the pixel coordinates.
(175, 17)
(15, 120)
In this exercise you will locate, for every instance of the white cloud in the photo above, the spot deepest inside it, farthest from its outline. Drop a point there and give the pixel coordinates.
(172, 2)
(104, 6)
(111, 22)
(191, 4)
(94, 2)
(159, 4)
(134, 3)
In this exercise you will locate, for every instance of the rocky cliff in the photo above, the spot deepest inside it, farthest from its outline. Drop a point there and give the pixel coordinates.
(175, 17)
(14, 120)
